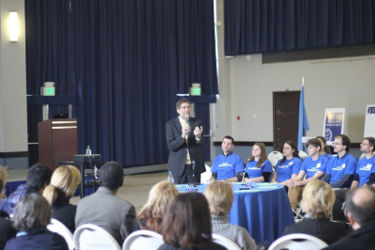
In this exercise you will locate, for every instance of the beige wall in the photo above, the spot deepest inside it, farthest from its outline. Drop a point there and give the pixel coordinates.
(13, 119)
(246, 87)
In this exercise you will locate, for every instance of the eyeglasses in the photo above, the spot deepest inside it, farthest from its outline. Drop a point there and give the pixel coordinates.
(336, 143)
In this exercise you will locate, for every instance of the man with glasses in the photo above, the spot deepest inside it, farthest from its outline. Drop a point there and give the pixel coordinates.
(341, 167)
(365, 170)
(364, 175)
(184, 141)
(360, 211)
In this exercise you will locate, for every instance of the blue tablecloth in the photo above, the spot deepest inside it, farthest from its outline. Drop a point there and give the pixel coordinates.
(262, 208)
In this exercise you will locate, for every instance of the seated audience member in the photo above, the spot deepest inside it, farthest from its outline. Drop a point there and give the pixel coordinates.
(317, 203)
(105, 209)
(313, 167)
(31, 217)
(3, 177)
(161, 196)
(341, 167)
(258, 168)
(38, 177)
(324, 150)
(288, 167)
(6, 229)
(220, 198)
(187, 224)
(64, 182)
(227, 165)
(360, 210)
(364, 175)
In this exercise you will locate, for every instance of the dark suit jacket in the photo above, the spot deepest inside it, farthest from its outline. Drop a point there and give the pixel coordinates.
(362, 238)
(323, 229)
(177, 147)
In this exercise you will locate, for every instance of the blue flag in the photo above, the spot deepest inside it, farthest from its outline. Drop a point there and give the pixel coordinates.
(303, 123)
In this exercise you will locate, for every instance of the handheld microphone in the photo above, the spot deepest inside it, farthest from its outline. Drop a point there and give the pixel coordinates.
(188, 124)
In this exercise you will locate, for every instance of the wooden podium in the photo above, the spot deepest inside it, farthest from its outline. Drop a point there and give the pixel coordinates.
(57, 141)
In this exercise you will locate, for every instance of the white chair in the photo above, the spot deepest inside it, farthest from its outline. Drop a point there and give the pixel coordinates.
(206, 176)
(93, 237)
(57, 227)
(302, 154)
(298, 242)
(143, 239)
(274, 157)
(225, 242)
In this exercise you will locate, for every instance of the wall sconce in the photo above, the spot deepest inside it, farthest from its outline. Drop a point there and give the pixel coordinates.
(13, 26)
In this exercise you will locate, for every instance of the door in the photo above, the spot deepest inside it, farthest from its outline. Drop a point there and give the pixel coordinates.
(285, 117)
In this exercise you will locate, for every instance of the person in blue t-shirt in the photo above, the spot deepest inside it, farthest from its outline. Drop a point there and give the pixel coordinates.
(341, 167)
(324, 150)
(364, 175)
(365, 170)
(313, 167)
(227, 165)
(258, 168)
(288, 167)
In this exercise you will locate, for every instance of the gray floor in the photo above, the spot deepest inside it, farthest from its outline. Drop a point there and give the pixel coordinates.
(135, 188)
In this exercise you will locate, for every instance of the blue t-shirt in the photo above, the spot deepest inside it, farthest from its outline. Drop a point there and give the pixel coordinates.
(285, 170)
(253, 171)
(227, 166)
(337, 167)
(329, 156)
(365, 167)
(311, 167)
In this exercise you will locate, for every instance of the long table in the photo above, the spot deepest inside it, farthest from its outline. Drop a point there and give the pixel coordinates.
(262, 208)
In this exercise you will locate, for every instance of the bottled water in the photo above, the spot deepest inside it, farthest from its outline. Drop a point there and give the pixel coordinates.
(88, 150)
(170, 177)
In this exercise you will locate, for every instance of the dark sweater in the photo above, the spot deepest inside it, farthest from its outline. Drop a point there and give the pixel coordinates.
(323, 229)
(6, 229)
(41, 240)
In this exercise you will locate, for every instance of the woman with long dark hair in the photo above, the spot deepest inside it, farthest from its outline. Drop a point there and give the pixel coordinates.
(187, 224)
(258, 168)
(288, 167)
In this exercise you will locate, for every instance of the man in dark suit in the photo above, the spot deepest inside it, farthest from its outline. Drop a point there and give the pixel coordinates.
(184, 140)
(360, 210)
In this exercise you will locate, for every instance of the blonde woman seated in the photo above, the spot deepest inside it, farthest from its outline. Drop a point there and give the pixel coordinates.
(220, 198)
(64, 182)
(317, 203)
(161, 195)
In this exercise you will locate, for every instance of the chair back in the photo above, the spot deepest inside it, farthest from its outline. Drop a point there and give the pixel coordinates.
(143, 239)
(274, 157)
(225, 242)
(302, 154)
(206, 176)
(57, 227)
(93, 237)
(297, 242)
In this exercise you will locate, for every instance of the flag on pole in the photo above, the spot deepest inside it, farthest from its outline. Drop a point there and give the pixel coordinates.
(303, 123)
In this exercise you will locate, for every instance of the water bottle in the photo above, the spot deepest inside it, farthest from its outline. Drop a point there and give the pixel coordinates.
(88, 150)
(170, 177)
